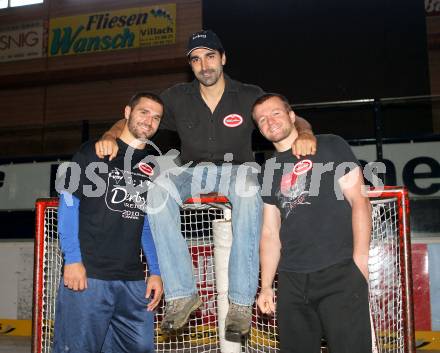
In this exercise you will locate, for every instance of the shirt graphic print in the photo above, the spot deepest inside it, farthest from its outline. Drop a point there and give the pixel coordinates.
(294, 187)
(126, 193)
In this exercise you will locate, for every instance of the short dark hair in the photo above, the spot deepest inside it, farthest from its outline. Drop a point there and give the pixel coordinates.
(134, 100)
(261, 99)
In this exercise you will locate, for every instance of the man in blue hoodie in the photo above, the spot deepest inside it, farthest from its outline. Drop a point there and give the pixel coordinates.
(104, 303)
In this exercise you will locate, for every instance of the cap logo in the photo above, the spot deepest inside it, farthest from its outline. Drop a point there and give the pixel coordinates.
(302, 167)
(233, 120)
(146, 169)
(199, 36)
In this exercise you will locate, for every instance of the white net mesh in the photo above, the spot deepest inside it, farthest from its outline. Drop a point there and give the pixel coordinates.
(386, 278)
(385, 283)
(201, 335)
(52, 264)
(263, 336)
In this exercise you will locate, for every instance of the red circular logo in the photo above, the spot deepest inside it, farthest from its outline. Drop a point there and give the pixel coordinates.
(146, 169)
(233, 120)
(302, 167)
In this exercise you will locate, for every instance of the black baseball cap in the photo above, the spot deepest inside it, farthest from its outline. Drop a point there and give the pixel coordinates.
(204, 39)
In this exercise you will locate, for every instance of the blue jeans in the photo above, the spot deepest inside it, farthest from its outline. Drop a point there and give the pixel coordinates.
(108, 317)
(240, 185)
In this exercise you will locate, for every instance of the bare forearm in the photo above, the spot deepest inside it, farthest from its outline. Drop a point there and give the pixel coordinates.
(361, 219)
(116, 130)
(302, 125)
(270, 248)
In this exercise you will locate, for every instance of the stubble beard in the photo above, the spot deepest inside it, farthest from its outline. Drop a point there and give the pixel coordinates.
(285, 134)
(212, 79)
(135, 130)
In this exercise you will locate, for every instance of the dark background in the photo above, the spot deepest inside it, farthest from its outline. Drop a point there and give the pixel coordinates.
(317, 51)
(325, 50)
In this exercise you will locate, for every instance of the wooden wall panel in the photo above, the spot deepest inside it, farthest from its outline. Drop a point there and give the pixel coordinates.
(61, 8)
(23, 67)
(101, 100)
(22, 107)
(57, 129)
(159, 83)
(25, 13)
(88, 101)
(21, 141)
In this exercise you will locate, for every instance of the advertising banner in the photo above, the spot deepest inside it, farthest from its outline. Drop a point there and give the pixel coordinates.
(21, 184)
(22, 41)
(113, 30)
(414, 165)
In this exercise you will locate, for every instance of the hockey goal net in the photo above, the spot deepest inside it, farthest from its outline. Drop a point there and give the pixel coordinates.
(389, 265)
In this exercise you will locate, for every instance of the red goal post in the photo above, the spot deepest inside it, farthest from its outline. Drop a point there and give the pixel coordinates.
(381, 290)
(390, 279)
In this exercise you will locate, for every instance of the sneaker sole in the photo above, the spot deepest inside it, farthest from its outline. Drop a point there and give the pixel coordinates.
(235, 336)
(196, 305)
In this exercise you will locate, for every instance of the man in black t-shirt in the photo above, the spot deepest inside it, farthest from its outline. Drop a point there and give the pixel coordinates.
(212, 117)
(103, 302)
(316, 233)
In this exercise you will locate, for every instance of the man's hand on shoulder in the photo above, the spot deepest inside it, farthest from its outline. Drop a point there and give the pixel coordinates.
(305, 144)
(106, 146)
(75, 276)
(154, 284)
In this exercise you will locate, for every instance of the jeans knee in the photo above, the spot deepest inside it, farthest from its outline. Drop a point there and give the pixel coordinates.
(250, 203)
(142, 345)
(156, 194)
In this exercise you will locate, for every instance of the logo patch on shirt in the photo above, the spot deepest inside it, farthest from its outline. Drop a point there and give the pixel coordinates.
(302, 167)
(287, 182)
(233, 120)
(146, 169)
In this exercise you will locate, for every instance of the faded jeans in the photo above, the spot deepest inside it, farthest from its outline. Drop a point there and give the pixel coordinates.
(240, 185)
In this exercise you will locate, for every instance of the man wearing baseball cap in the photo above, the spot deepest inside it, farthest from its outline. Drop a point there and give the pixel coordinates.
(212, 116)
(205, 40)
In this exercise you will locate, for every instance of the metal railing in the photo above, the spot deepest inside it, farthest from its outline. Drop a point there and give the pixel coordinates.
(377, 107)
(374, 111)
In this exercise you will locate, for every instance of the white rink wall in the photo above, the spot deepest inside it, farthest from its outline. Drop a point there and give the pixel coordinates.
(16, 279)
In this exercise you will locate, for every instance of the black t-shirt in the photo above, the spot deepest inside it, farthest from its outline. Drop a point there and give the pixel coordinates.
(316, 227)
(112, 198)
(207, 136)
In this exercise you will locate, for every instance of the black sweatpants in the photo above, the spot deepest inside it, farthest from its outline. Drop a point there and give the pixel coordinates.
(332, 302)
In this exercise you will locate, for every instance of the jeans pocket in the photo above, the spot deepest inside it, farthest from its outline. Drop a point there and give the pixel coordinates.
(139, 288)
